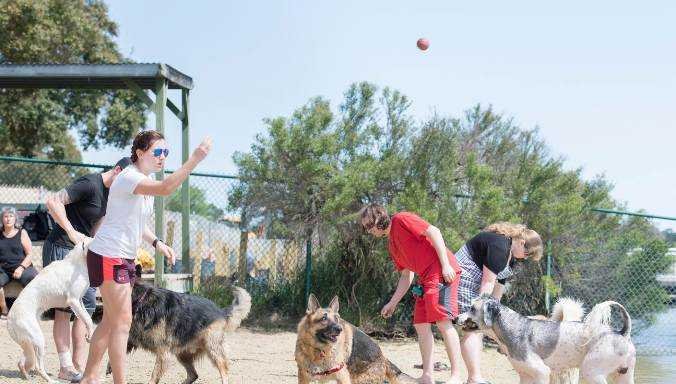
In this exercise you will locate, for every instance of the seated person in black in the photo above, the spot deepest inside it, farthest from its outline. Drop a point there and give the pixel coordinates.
(15, 255)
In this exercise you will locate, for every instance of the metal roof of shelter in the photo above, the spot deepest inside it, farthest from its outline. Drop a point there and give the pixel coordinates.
(138, 78)
(101, 76)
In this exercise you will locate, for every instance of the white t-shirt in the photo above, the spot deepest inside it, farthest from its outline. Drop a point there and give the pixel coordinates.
(127, 214)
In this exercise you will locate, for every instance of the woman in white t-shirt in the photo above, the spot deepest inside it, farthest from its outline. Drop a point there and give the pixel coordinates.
(110, 259)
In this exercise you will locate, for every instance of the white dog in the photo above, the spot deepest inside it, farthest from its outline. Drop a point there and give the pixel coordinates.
(536, 348)
(565, 309)
(61, 284)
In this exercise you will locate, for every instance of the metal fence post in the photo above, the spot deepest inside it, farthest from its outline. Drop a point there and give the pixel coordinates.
(308, 266)
(549, 275)
(160, 103)
(243, 249)
(185, 188)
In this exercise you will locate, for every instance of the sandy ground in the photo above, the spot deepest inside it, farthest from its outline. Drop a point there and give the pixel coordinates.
(256, 357)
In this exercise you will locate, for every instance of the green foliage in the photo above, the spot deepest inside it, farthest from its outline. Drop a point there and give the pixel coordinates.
(312, 172)
(199, 205)
(38, 122)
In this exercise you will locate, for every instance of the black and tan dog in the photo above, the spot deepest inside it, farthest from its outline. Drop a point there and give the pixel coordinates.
(330, 348)
(165, 323)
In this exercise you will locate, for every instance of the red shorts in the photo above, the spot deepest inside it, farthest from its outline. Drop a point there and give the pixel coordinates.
(119, 270)
(438, 302)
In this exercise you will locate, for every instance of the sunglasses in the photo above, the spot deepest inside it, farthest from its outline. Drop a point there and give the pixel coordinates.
(157, 152)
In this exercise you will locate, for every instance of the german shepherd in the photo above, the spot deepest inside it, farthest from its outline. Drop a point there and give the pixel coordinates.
(165, 322)
(330, 348)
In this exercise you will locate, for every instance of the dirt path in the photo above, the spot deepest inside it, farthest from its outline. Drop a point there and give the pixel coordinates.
(255, 358)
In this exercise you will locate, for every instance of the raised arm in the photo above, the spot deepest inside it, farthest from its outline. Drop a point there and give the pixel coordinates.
(167, 186)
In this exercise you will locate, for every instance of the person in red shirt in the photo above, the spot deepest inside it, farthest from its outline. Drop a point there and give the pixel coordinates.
(416, 247)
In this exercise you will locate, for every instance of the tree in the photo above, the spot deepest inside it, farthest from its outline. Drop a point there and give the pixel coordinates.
(317, 168)
(285, 177)
(38, 122)
(199, 205)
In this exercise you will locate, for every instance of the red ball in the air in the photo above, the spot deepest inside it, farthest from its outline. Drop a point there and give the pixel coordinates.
(423, 44)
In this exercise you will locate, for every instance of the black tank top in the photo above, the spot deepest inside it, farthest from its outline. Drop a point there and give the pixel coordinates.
(11, 251)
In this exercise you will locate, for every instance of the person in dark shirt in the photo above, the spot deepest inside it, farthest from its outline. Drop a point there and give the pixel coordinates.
(486, 261)
(15, 255)
(77, 210)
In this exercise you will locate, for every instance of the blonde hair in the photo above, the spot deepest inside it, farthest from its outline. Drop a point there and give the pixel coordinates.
(533, 242)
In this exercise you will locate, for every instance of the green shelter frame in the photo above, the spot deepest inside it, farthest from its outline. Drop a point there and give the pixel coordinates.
(139, 78)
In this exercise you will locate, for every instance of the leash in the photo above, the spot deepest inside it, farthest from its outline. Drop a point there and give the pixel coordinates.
(143, 296)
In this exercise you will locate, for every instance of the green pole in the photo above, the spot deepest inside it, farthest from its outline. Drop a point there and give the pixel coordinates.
(549, 275)
(614, 212)
(185, 188)
(308, 267)
(160, 102)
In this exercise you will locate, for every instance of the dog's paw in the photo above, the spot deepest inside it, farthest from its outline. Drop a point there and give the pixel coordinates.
(503, 350)
(22, 369)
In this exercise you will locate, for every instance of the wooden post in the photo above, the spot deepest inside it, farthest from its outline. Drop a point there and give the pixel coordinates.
(171, 226)
(197, 257)
(221, 252)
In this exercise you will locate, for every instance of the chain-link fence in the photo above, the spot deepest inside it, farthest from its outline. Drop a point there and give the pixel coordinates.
(219, 247)
(643, 280)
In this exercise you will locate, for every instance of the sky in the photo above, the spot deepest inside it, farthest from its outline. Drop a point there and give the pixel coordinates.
(597, 78)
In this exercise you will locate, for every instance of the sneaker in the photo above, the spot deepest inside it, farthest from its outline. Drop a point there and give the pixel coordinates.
(70, 376)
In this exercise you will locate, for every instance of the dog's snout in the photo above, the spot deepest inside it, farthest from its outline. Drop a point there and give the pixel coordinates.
(461, 319)
(336, 328)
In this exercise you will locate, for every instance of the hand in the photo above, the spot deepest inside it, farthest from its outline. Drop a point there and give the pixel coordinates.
(18, 272)
(448, 273)
(203, 149)
(76, 237)
(388, 310)
(167, 251)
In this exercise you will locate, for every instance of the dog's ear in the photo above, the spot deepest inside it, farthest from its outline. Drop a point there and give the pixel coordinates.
(139, 270)
(312, 303)
(490, 310)
(232, 279)
(334, 305)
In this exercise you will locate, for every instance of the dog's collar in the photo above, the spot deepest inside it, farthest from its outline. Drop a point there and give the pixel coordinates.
(330, 371)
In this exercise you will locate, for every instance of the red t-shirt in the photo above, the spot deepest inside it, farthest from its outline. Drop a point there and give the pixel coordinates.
(410, 249)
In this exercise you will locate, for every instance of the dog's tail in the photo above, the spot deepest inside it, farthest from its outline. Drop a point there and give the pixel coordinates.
(567, 309)
(600, 316)
(396, 376)
(239, 309)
